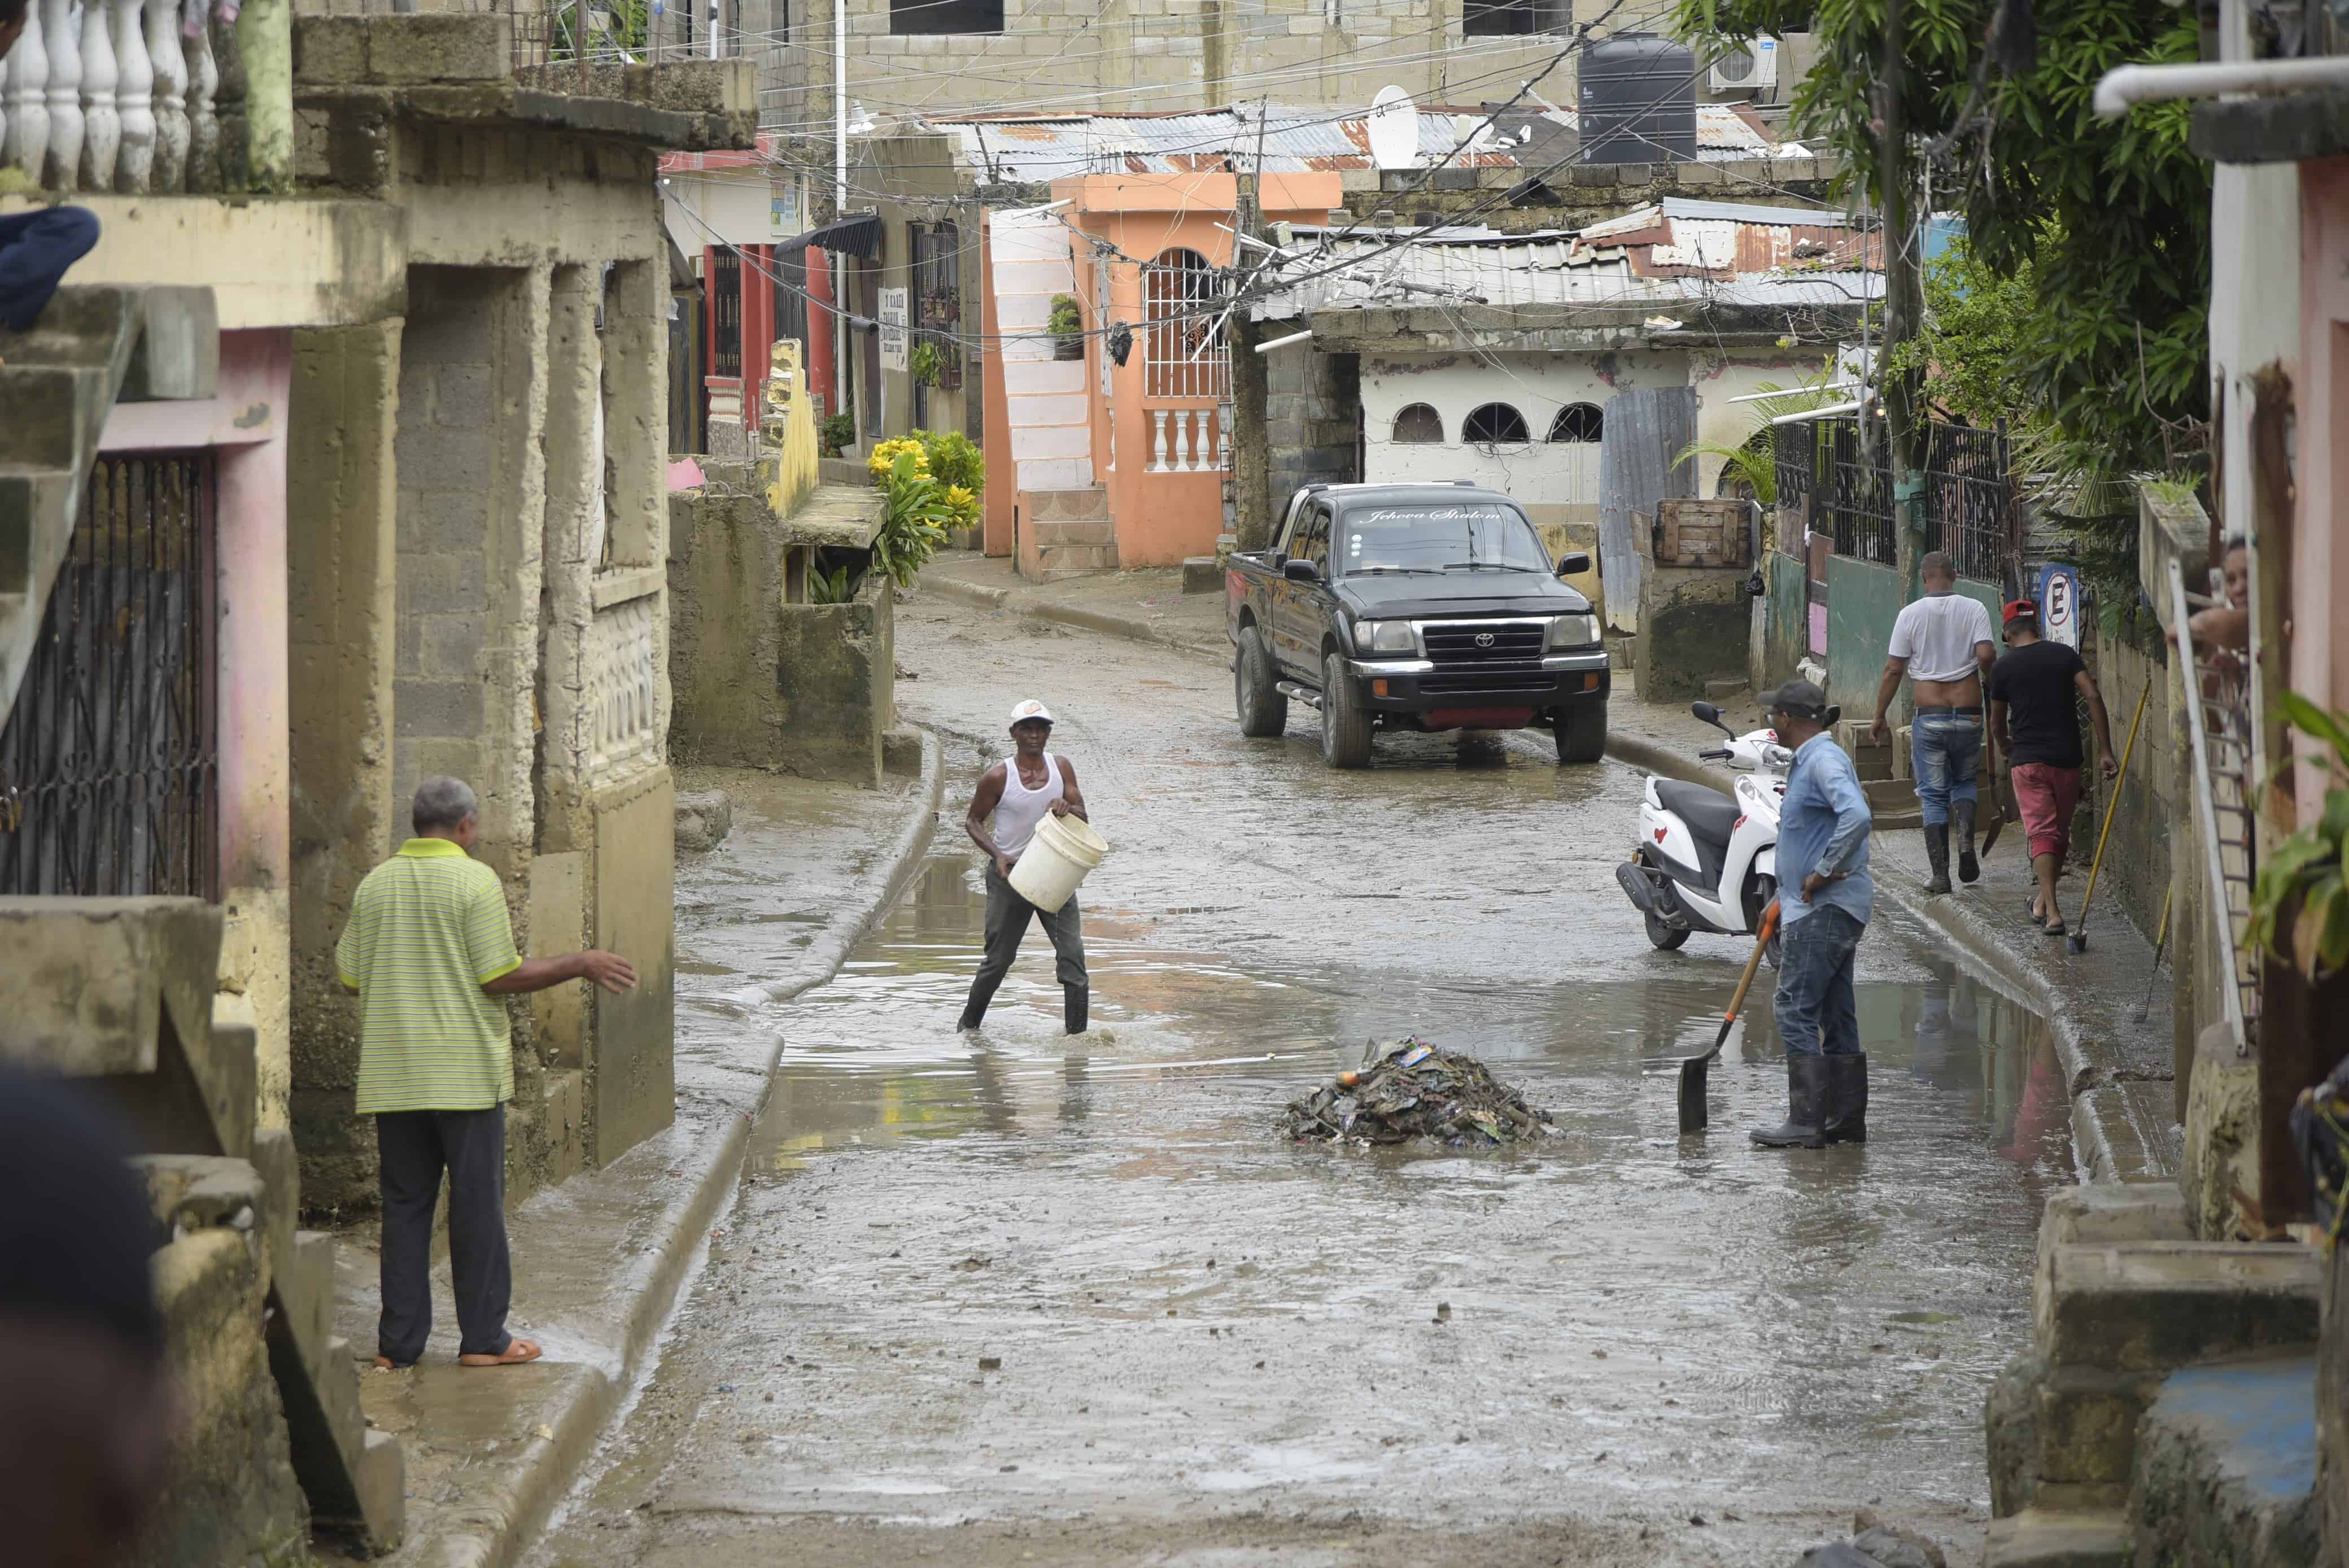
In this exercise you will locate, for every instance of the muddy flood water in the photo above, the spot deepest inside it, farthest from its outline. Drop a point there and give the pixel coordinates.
(1020, 1298)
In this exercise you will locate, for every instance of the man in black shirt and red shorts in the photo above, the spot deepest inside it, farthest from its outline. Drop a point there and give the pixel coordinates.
(2031, 688)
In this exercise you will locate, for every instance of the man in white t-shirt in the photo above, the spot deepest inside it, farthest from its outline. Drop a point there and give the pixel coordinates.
(1943, 643)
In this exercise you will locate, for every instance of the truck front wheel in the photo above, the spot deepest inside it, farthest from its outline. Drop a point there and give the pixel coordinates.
(1345, 725)
(1581, 732)
(1255, 691)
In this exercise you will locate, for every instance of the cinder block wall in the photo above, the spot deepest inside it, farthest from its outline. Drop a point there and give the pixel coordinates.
(1311, 398)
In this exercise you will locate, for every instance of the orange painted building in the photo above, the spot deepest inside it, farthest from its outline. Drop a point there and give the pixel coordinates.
(1118, 465)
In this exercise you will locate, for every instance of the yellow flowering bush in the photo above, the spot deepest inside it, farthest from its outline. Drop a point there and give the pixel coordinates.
(884, 458)
(962, 501)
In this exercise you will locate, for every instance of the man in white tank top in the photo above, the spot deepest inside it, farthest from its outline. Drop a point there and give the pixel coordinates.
(1017, 793)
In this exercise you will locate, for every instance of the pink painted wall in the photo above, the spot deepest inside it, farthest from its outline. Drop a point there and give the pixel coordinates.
(2320, 565)
(244, 422)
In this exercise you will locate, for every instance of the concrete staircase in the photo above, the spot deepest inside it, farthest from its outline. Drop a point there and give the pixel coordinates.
(1883, 775)
(93, 348)
(1073, 534)
(2153, 1417)
(119, 992)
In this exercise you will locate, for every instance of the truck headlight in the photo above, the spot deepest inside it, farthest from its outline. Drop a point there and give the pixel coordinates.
(1572, 632)
(1384, 637)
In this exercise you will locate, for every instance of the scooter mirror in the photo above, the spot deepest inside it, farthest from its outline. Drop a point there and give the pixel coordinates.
(1705, 711)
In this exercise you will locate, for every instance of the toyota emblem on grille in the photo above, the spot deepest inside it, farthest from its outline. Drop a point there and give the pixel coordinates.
(1484, 639)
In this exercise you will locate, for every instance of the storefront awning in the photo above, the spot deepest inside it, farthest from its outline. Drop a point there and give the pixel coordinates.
(859, 236)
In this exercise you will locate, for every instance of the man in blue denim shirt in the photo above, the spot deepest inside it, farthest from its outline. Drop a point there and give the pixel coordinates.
(1824, 898)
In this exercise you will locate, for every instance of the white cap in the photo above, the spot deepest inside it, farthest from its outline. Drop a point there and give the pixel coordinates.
(1029, 709)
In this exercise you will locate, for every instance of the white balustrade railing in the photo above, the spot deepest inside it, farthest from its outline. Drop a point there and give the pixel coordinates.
(113, 95)
(1188, 441)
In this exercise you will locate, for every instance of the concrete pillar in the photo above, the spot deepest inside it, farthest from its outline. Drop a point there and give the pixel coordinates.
(265, 39)
(339, 578)
(255, 857)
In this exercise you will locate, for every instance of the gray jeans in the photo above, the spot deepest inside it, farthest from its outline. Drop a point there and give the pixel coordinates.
(1006, 922)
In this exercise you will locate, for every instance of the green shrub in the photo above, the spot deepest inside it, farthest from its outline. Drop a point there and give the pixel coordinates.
(1066, 320)
(2304, 877)
(832, 587)
(916, 523)
(837, 434)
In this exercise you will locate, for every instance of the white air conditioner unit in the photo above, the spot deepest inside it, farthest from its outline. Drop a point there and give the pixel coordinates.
(1750, 70)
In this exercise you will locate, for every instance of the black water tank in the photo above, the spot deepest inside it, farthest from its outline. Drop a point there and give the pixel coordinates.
(1638, 101)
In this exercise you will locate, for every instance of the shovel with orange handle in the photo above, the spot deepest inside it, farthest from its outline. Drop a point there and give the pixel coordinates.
(1692, 1071)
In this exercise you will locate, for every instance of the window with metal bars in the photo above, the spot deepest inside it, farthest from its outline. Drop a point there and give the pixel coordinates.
(109, 760)
(1182, 301)
(726, 312)
(937, 299)
(790, 295)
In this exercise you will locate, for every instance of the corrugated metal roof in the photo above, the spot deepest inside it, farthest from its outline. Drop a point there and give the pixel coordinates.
(1655, 257)
(1026, 149)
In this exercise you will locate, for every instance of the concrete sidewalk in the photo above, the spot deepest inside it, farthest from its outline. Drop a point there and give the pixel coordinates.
(601, 1259)
(2120, 1066)
(1147, 604)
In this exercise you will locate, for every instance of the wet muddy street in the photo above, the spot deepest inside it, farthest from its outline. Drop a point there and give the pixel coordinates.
(1018, 1297)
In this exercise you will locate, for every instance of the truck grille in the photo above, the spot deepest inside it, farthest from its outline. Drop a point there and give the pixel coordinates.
(1483, 644)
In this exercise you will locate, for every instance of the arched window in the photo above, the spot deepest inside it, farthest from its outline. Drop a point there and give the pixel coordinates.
(1419, 425)
(1183, 300)
(1577, 422)
(1495, 425)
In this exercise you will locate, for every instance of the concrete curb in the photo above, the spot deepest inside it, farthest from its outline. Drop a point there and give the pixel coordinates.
(2107, 1140)
(1015, 601)
(509, 1503)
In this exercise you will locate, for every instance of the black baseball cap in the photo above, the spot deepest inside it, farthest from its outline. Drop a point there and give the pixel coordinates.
(1802, 698)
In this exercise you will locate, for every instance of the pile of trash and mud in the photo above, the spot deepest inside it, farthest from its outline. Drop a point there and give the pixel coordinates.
(1408, 1089)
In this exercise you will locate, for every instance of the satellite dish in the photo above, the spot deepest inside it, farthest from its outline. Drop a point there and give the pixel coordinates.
(1394, 129)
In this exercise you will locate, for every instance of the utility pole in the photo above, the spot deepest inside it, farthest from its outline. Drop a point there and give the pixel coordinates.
(1903, 304)
(840, 333)
(1251, 380)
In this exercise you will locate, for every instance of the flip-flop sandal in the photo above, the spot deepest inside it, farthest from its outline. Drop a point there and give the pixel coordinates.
(2052, 927)
(386, 1364)
(517, 1352)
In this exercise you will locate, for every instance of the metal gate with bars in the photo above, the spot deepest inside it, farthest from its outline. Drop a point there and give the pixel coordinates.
(1828, 474)
(726, 312)
(109, 760)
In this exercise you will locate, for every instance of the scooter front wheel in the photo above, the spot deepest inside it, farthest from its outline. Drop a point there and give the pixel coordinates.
(1667, 938)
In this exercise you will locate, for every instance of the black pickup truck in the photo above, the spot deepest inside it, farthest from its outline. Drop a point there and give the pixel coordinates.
(1426, 607)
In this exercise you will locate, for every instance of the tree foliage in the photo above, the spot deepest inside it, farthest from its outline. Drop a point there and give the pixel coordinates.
(2093, 236)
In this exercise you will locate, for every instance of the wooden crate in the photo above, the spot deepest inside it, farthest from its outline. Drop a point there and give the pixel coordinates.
(1704, 533)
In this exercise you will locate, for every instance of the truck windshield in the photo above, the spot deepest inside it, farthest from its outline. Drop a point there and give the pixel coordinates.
(1442, 536)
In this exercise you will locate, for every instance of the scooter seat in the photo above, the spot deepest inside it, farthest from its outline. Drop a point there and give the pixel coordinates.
(1711, 815)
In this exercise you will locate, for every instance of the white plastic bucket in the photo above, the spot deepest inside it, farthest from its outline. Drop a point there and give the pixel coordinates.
(1056, 859)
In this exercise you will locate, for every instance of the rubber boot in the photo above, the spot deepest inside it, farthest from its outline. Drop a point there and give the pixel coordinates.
(1074, 999)
(1937, 851)
(1847, 1119)
(1806, 1100)
(1961, 821)
(975, 1010)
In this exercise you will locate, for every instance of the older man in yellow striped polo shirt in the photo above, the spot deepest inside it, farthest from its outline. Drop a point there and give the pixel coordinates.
(429, 953)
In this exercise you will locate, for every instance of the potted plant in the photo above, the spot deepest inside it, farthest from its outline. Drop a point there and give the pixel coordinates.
(924, 363)
(1067, 326)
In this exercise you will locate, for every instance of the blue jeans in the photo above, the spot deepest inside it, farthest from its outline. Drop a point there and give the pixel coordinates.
(1815, 1002)
(36, 248)
(1944, 752)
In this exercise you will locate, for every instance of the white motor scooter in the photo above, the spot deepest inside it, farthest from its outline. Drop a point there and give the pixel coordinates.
(1706, 860)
